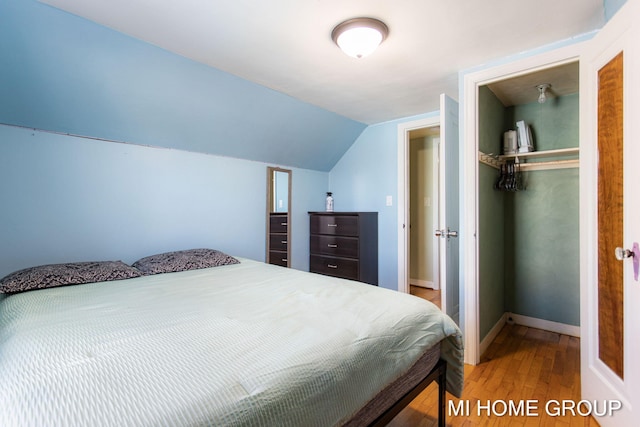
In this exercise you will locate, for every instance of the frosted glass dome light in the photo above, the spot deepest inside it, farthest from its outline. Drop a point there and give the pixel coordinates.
(359, 37)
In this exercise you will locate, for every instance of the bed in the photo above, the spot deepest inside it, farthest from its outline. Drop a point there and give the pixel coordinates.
(240, 344)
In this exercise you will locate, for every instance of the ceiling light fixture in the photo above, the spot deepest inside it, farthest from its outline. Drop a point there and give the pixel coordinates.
(359, 37)
(543, 92)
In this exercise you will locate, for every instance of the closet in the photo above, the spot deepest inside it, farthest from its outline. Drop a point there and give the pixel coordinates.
(528, 234)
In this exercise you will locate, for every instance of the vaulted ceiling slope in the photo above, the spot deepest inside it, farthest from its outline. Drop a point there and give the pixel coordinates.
(67, 74)
(252, 79)
(285, 44)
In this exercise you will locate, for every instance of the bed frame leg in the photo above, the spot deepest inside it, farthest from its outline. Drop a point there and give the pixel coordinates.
(442, 398)
(439, 374)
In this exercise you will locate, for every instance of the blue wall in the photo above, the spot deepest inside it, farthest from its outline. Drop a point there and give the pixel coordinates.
(542, 234)
(491, 215)
(64, 73)
(362, 179)
(72, 199)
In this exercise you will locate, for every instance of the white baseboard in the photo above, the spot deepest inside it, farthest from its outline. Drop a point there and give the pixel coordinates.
(493, 333)
(422, 283)
(531, 322)
(547, 325)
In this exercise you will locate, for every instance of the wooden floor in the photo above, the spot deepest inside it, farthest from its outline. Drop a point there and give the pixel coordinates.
(521, 364)
(426, 293)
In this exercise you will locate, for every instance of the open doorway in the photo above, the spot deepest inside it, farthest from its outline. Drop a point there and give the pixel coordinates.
(448, 203)
(423, 206)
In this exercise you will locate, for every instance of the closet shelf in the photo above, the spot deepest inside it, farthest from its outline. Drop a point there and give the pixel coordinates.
(521, 158)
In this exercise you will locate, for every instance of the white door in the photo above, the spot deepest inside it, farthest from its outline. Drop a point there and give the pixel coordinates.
(448, 217)
(610, 218)
(449, 207)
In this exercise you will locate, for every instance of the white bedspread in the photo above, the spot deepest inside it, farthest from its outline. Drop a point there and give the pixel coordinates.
(243, 345)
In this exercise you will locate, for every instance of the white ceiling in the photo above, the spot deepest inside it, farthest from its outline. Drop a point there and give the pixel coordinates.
(286, 44)
(564, 80)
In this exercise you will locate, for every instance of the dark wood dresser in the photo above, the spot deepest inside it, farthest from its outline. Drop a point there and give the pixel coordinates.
(344, 244)
(278, 241)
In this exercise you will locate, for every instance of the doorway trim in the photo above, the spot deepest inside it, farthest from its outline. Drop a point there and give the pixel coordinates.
(472, 81)
(403, 195)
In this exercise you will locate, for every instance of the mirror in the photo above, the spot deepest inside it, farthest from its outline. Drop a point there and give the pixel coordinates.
(278, 215)
(280, 202)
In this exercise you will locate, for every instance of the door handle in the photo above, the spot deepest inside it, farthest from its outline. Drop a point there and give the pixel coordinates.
(624, 253)
(634, 253)
(447, 234)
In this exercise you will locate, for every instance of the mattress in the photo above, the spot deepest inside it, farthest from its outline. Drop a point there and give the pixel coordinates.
(394, 392)
(249, 344)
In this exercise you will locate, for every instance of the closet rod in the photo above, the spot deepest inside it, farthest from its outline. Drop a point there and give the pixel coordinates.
(555, 164)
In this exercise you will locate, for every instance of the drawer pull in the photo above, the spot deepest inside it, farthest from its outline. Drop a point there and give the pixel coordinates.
(331, 245)
(332, 225)
(284, 260)
(284, 224)
(332, 266)
(284, 242)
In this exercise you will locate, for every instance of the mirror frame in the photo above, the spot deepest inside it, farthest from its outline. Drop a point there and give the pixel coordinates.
(271, 172)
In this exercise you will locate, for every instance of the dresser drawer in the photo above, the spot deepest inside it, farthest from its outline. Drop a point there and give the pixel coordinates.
(334, 245)
(278, 242)
(338, 267)
(278, 258)
(278, 223)
(340, 225)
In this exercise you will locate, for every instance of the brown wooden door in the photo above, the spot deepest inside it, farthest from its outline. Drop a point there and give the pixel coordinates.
(611, 214)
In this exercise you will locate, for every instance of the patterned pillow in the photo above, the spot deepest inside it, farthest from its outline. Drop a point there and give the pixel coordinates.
(76, 273)
(192, 259)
